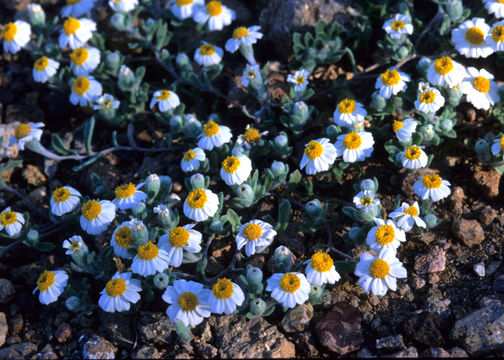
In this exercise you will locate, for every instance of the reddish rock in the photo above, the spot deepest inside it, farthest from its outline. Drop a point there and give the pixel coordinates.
(469, 232)
(488, 182)
(457, 200)
(432, 261)
(63, 332)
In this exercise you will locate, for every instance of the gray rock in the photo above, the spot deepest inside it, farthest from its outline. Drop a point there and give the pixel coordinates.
(205, 350)
(487, 215)
(364, 353)
(417, 282)
(479, 269)
(492, 267)
(482, 331)
(394, 342)
(436, 352)
(298, 319)
(18, 351)
(7, 291)
(238, 337)
(498, 285)
(4, 328)
(156, 328)
(457, 352)
(340, 329)
(307, 344)
(410, 352)
(146, 352)
(98, 348)
(16, 324)
(118, 328)
(439, 305)
(63, 332)
(433, 261)
(47, 353)
(425, 329)
(469, 232)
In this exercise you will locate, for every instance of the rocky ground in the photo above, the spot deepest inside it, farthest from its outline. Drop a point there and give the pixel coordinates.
(451, 304)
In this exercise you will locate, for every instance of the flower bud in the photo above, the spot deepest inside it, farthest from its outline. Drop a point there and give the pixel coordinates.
(314, 209)
(281, 140)
(482, 150)
(166, 184)
(454, 9)
(423, 65)
(152, 186)
(283, 259)
(166, 216)
(368, 184)
(118, 20)
(378, 102)
(161, 281)
(446, 125)
(254, 280)
(139, 232)
(197, 181)
(315, 291)
(278, 168)
(139, 210)
(354, 233)
(454, 96)
(431, 220)
(36, 14)
(73, 303)
(428, 132)
(257, 306)
(402, 52)
(126, 80)
(176, 123)
(183, 61)
(193, 126)
(113, 62)
(300, 113)
(245, 192)
(332, 131)
(216, 227)
(32, 236)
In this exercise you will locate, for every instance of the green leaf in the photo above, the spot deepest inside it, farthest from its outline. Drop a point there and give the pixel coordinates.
(45, 246)
(345, 266)
(86, 163)
(88, 134)
(294, 179)
(58, 145)
(284, 212)
(296, 39)
(308, 39)
(320, 27)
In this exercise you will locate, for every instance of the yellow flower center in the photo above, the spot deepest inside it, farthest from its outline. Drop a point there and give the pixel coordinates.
(411, 211)
(125, 191)
(22, 130)
(148, 251)
(347, 106)
(252, 231)
(427, 97)
(397, 25)
(366, 201)
(481, 84)
(379, 269)
(498, 33)
(41, 63)
(443, 65)
(396, 125)
(300, 80)
(251, 74)
(60, 194)
(91, 209)
(81, 85)
(432, 181)
(188, 301)
(321, 262)
(183, 2)
(474, 36)
(179, 237)
(500, 1)
(197, 199)
(412, 153)
(46, 280)
(79, 56)
(214, 8)
(71, 25)
(502, 140)
(210, 128)
(390, 77)
(165, 95)
(313, 150)
(8, 218)
(230, 164)
(189, 155)
(115, 287)
(75, 246)
(123, 237)
(252, 136)
(223, 289)
(72, 2)
(352, 141)
(385, 234)
(9, 31)
(290, 282)
(240, 33)
(206, 50)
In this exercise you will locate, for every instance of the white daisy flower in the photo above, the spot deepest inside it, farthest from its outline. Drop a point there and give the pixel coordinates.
(25, 133)
(96, 216)
(320, 269)
(354, 146)
(251, 137)
(207, 55)
(106, 102)
(122, 240)
(84, 60)
(431, 187)
(75, 245)
(407, 215)
(404, 129)
(470, 38)
(250, 73)
(149, 260)
(498, 145)
(414, 157)
(85, 90)
(243, 36)
(225, 297)
(349, 113)
(256, 235)
(165, 99)
(11, 221)
(64, 200)
(44, 68)
(15, 36)
(445, 72)
(366, 200)
(191, 159)
(201, 204)
(495, 7)
(51, 284)
(299, 79)
(76, 32)
(119, 292)
(128, 195)
(385, 235)
(398, 26)
(77, 8)
(318, 156)
(429, 100)
(391, 82)
(380, 272)
(214, 135)
(289, 289)
(123, 5)
(215, 13)
(184, 9)
(496, 37)
(179, 239)
(189, 302)
(235, 170)
(480, 88)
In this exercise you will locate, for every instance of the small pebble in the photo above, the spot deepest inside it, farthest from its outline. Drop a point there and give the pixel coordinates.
(479, 269)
